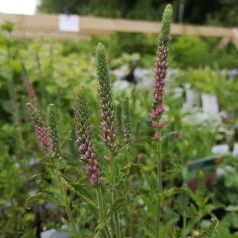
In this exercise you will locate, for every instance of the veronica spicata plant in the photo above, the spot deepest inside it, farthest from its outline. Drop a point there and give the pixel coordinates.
(108, 121)
(161, 65)
(106, 103)
(158, 100)
(83, 137)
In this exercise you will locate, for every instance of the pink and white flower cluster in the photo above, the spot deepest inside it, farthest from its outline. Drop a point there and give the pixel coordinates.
(88, 156)
(159, 88)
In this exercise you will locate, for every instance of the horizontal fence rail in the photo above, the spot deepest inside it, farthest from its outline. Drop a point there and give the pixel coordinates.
(77, 27)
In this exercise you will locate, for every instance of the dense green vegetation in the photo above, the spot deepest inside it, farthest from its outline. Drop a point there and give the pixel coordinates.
(217, 12)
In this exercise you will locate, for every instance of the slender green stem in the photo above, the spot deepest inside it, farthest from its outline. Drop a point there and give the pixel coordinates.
(69, 212)
(130, 217)
(184, 226)
(101, 211)
(114, 198)
(160, 186)
(100, 204)
(116, 217)
(63, 190)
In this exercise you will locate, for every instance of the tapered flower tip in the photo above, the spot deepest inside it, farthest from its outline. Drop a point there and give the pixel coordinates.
(51, 105)
(101, 55)
(51, 111)
(167, 18)
(80, 97)
(100, 48)
(80, 90)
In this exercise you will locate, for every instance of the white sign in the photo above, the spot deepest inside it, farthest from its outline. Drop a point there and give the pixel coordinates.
(210, 103)
(69, 23)
(220, 149)
(235, 149)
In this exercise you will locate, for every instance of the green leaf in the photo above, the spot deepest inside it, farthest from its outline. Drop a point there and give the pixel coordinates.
(98, 230)
(118, 203)
(172, 191)
(232, 208)
(41, 196)
(129, 170)
(209, 231)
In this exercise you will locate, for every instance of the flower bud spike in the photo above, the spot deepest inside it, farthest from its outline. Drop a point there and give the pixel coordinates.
(40, 127)
(127, 130)
(83, 136)
(52, 123)
(105, 95)
(161, 70)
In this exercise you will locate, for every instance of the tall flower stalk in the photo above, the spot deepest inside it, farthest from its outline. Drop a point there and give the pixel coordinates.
(54, 144)
(106, 103)
(53, 131)
(40, 127)
(88, 156)
(107, 120)
(83, 137)
(161, 65)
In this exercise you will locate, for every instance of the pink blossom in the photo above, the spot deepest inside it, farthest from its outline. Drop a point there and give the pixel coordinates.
(161, 124)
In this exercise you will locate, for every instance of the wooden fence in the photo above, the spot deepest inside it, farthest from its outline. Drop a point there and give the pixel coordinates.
(75, 27)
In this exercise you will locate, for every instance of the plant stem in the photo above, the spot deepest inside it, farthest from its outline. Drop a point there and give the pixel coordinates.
(116, 217)
(101, 210)
(160, 186)
(184, 226)
(69, 212)
(114, 197)
(130, 218)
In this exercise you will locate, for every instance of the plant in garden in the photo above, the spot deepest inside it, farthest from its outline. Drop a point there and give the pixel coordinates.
(88, 156)
(158, 99)
(55, 166)
(106, 103)
(83, 137)
(58, 167)
(107, 120)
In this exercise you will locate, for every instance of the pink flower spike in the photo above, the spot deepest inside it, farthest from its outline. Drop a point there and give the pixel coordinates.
(156, 136)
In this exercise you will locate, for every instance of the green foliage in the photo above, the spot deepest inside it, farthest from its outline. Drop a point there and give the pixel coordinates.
(220, 12)
(186, 48)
